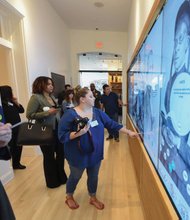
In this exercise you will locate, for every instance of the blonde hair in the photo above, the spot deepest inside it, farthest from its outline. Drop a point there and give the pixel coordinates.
(81, 93)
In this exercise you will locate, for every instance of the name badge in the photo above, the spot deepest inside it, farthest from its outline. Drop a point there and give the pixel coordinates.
(93, 123)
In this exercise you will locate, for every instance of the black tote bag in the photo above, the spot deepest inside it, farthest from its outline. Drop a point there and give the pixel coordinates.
(35, 134)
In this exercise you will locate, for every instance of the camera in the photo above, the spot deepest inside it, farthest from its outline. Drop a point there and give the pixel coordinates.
(81, 123)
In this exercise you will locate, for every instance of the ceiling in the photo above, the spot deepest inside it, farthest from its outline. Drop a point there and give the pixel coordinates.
(103, 15)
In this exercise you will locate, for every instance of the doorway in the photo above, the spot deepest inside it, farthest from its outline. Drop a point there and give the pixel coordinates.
(96, 77)
(96, 67)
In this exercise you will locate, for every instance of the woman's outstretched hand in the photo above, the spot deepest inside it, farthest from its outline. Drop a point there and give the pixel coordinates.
(133, 134)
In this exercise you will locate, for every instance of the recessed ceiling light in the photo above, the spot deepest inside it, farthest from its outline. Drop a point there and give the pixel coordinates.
(98, 4)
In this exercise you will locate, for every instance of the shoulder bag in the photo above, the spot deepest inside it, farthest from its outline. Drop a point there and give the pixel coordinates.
(35, 134)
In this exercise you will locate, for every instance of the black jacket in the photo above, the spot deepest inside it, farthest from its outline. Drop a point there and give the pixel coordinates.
(11, 112)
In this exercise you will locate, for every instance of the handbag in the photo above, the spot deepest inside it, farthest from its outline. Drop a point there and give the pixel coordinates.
(30, 133)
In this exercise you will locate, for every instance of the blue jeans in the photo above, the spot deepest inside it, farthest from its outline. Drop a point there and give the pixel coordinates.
(76, 174)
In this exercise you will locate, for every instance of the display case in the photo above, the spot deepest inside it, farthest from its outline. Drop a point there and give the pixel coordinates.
(115, 82)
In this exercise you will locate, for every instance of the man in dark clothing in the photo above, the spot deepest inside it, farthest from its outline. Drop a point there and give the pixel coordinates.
(97, 95)
(110, 102)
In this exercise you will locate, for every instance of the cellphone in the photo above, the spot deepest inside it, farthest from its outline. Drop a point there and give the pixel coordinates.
(17, 124)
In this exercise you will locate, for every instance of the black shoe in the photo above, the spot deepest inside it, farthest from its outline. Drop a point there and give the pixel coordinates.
(54, 186)
(63, 181)
(19, 167)
(109, 138)
(117, 139)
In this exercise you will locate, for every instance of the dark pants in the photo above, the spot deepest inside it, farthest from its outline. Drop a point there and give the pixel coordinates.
(6, 212)
(15, 150)
(53, 163)
(111, 133)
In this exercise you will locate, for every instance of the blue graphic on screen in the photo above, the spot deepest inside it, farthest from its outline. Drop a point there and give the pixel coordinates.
(144, 91)
(174, 155)
(136, 92)
(152, 75)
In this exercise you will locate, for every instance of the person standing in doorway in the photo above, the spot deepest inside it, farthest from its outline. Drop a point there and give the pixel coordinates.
(96, 94)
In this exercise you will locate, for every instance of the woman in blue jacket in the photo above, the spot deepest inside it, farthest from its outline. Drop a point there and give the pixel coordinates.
(82, 131)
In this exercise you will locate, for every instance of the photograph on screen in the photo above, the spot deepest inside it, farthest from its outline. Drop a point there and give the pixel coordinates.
(136, 92)
(151, 80)
(174, 153)
(144, 90)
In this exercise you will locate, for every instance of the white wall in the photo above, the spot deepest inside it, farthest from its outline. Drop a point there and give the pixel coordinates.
(85, 41)
(139, 12)
(47, 43)
(47, 39)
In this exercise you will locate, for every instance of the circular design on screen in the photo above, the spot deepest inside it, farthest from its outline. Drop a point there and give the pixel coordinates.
(188, 189)
(185, 175)
(179, 104)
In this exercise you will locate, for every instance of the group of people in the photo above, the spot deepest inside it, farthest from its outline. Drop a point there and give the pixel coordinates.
(109, 102)
(79, 134)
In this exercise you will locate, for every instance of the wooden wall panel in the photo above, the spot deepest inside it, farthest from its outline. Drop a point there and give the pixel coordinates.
(136, 152)
(155, 200)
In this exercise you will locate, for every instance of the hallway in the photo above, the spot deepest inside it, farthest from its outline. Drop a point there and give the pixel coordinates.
(31, 200)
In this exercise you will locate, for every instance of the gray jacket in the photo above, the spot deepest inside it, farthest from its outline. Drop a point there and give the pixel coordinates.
(35, 110)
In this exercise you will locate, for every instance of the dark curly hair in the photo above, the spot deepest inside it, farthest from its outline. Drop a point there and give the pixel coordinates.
(40, 83)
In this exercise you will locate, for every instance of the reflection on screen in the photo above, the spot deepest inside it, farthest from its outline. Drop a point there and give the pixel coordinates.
(159, 100)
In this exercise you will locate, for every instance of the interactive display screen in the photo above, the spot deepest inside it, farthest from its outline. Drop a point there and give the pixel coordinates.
(144, 90)
(159, 100)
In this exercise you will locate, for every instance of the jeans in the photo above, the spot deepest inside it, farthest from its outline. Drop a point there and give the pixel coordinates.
(76, 174)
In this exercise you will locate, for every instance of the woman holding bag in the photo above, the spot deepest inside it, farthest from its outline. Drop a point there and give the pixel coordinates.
(42, 107)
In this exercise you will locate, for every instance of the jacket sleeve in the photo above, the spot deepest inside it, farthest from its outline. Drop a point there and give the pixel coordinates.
(20, 108)
(108, 122)
(66, 126)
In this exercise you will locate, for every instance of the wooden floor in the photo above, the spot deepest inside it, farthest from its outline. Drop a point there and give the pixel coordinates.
(31, 200)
